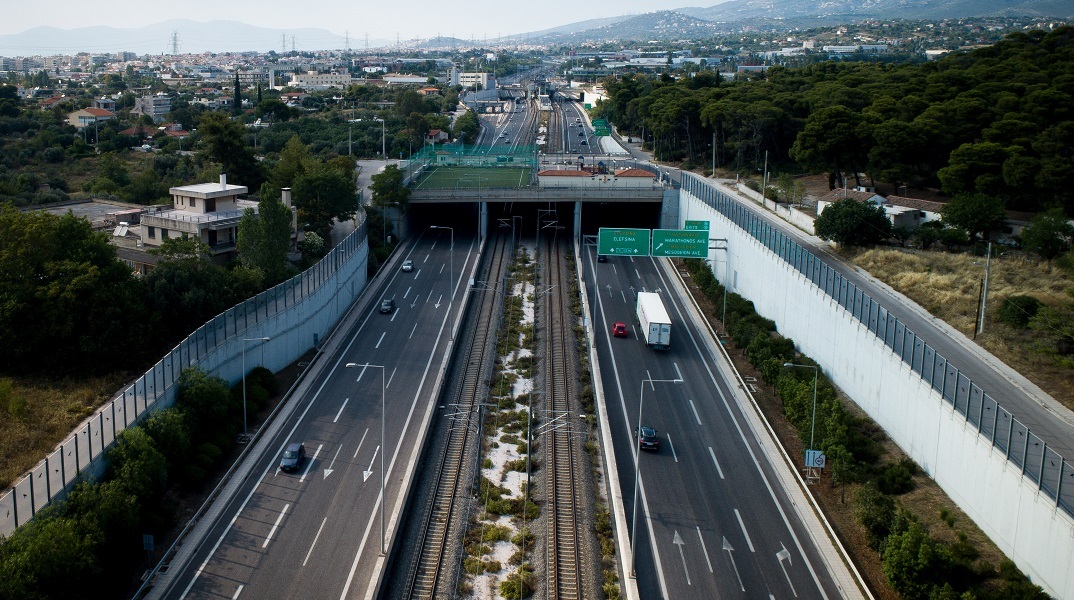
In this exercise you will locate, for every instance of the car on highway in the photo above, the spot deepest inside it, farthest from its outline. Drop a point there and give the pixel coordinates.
(387, 306)
(581, 133)
(408, 265)
(647, 439)
(292, 457)
(583, 143)
(619, 329)
(602, 258)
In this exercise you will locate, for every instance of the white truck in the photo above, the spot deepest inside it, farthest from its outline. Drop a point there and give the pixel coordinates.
(654, 320)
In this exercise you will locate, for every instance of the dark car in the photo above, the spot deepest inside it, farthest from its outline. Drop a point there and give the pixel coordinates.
(647, 439)
(583, 142)
(619, 329)
(581, 133)
(602, 258)
(387, 306)
(292, 457)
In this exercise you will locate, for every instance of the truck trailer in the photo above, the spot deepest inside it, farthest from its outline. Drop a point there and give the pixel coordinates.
(654, 320)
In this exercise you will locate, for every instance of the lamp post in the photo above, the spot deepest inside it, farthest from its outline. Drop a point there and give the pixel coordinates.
(245, 435)
(637, 473)
(813, 419)
(383, 449)
(451, 269)
(726, 282)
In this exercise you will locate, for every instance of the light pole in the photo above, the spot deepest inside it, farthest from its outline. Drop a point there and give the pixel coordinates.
(637, 472)
(451, 269)
(383, 448)
(813, 419)
(245, 435)
(726, 282)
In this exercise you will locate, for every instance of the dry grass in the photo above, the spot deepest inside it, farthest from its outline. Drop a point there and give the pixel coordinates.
(947, 285)
(39, 413)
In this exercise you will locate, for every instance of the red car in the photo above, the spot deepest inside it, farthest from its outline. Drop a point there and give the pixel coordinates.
(619, 329)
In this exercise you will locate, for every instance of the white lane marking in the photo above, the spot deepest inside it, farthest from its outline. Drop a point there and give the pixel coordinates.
(749, 542)
(749, 449)
(329, 470)
(635, 330)
(433, 246)
(356, 450)
(275, 525)
(614, 270)
(673, 455)
(318, 536)
(716, 462)
(441, 269)
(649, 378)
(703, 549)
(631, 259)
(678, 372)
(237, 592)
(415, 328)
(361, 373)
(418, 272)
(638, 274)
(407, 293)
(624, 296)
(430, 295)
(427, 256)
(309, 463)
(693, 408)
(394, 313)
(345, 401)
(381, 339)
(389, 384)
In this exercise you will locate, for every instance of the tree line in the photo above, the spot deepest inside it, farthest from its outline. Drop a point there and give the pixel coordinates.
(996, 121)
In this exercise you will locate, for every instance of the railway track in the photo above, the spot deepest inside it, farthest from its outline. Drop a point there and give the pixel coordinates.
(431, 575)
(563, 575)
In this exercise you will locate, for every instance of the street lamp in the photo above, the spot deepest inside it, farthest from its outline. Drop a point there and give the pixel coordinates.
(383, 449)
(813, 419)
(245, 435)
(726, 280)
(637, 472)
(451, 269)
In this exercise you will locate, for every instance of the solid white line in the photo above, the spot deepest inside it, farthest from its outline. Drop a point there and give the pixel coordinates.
(363, 441)
(309, 463)
(703, 549)
(673, 455)
(345, 401)
(237, 592)
(205, 563)
(413, 330)
(381, 339)
(275, 525)
(744, 532)
(318, 536)
(407, 293)
(716, 462)
(390, 377)
(693, 408)
(679, 373)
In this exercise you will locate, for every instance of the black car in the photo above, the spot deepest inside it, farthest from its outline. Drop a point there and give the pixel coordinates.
(387, 306)
(647, 439)
(602, 258)
(292, 457)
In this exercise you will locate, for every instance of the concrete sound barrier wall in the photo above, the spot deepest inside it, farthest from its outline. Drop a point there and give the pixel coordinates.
(1003, 476)
(292, 314)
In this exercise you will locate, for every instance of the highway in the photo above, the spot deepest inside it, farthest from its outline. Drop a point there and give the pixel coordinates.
(713, 519)
(316, 532)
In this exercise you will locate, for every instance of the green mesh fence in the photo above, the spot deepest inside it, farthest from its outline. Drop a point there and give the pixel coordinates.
(454, 166)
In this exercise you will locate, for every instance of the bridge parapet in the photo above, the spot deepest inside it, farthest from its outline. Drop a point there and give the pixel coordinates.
(538, 194)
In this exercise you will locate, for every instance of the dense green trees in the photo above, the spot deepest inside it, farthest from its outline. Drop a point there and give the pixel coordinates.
(265, 238)
(224, 142)
(853, 223)
(995, 121)
(975, 213)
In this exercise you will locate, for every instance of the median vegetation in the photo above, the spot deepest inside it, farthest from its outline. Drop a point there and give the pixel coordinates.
(916, 561)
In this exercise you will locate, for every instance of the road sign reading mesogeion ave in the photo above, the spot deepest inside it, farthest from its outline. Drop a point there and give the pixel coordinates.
(623, 242)
(680, 243)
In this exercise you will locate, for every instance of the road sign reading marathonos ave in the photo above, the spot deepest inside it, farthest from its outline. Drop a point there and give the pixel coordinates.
(680, 243)
(623, 242)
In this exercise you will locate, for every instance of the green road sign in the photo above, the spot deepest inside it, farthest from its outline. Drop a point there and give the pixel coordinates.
(697, 226)
(623, 242)
(680, 243)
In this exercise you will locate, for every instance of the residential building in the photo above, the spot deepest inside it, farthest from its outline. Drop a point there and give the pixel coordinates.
(482, 81)
(89, 116)
(105, 103)
(155, 106)
(321, 81)
(209, 212)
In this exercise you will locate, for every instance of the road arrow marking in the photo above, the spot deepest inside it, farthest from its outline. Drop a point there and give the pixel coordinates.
(328, 471)
(369, 471)
(440, 297)
(678, 542)
(785, 555)
(704, 549)
(727, 546)
(609, 286)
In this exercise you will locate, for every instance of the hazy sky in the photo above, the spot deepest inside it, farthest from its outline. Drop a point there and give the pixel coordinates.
(380, 20)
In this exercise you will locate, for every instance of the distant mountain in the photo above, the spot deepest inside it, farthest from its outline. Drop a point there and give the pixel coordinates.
(661, 25)
(194, 37)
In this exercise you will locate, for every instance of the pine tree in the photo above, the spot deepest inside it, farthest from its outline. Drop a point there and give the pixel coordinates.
(236, 106)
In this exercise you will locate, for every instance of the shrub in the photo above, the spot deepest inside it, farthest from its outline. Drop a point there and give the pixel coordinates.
(876, 513)
(1017, 311)
(897, 478)
(519, 584)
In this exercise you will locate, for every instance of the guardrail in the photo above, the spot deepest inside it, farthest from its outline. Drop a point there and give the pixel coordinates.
(213, 346)
(1043, 466)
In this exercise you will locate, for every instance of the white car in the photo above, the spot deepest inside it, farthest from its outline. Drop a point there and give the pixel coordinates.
(408, 266)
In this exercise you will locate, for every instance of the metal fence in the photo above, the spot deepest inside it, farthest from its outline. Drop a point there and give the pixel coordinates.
(1043, 466)
(214, 345)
